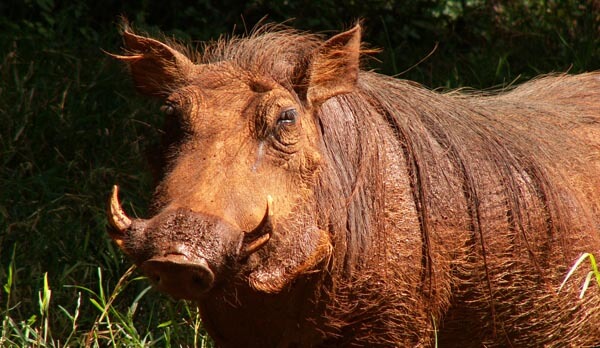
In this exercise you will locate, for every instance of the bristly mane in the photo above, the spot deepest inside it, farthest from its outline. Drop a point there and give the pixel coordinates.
(506, 160)
(270, 52)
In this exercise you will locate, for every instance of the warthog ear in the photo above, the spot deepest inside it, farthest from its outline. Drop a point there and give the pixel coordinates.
(156, 68)
(334, 69)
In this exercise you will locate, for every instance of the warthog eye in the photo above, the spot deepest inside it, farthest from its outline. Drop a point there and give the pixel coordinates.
(168, 109)
(287, 117)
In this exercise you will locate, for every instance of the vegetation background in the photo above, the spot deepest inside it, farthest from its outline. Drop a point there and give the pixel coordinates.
(71, 126)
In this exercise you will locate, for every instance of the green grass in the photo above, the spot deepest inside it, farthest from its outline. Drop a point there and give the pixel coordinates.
(593, 273)
(71, 126)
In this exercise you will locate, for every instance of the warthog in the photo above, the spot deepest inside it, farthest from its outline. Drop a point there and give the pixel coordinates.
(305, 202)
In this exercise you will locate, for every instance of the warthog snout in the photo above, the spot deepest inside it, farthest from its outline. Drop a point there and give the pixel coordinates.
(183, 252)
(179, 276)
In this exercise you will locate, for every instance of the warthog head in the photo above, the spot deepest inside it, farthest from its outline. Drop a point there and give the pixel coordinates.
(244, 154)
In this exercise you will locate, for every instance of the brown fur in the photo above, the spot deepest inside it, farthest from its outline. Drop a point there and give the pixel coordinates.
(402, 211)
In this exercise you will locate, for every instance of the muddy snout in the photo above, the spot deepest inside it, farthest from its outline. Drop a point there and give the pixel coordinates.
(178, 276)
(185, 253)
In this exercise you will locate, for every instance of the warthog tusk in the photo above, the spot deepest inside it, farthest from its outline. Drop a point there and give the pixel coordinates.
(116, 216)
(259, 236)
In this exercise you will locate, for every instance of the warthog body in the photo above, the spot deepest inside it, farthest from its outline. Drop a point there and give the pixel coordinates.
(305, 202)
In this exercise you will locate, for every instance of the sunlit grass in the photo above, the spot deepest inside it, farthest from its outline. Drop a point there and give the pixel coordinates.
(113, 326)
(593, 273)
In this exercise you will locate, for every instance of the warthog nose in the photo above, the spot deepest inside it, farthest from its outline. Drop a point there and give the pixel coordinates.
(178, 276)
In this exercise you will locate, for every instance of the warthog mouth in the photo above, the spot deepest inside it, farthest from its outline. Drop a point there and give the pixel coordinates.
(166, 257)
